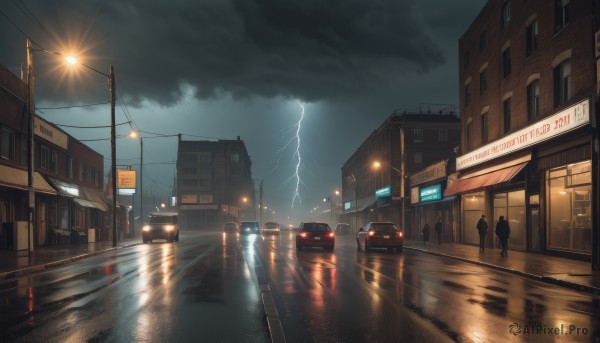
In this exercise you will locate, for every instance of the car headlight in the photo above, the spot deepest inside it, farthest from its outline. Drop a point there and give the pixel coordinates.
(146, 228)
(169, 228)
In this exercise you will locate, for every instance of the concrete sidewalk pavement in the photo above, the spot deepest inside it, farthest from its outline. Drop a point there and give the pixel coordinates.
(573, 274)
(16, 263)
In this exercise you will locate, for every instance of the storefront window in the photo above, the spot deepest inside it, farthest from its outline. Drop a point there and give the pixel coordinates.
(570, 214)
(511, 205)
(473, 207)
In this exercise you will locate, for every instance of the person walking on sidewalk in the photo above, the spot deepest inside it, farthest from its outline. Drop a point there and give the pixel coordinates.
(503, 232)
(425, 233)
(438, 230)
(482, 227)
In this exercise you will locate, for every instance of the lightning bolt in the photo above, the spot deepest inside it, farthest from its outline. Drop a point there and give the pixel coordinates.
(297, 155)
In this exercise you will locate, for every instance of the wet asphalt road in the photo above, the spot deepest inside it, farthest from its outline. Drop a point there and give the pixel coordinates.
(205, 289)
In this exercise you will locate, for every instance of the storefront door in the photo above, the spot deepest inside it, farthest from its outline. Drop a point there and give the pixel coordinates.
(511, 205)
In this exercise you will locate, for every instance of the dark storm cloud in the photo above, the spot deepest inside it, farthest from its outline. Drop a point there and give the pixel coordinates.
(307, 49)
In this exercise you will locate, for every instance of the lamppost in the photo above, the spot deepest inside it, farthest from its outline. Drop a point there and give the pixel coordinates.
(113, 147)
(376, 165)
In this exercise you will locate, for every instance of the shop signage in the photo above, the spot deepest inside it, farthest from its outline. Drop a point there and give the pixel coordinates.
(384, 192)
(189, 199)
(432, 172)
(126, 179)
(430, 193)
(42, 129)
(347, 205)
(562, 122)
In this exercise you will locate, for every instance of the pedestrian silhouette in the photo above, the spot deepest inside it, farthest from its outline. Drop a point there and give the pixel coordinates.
(425, 233)
(503, 232)
(482, 227)
(438, 230)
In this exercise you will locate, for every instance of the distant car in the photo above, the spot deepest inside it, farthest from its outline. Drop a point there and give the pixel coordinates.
(270, 228)
(315, 234)
(380, 235)
(231, 227)
(162, 225)
(249, 227)
(342, 228)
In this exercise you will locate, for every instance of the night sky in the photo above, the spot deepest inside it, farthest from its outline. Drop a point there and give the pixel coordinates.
(218, 69)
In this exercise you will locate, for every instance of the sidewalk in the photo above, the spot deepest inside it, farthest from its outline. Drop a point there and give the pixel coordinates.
(577, 275)
(13, 263)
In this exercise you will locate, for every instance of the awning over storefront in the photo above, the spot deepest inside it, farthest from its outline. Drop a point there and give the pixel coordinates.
(480, 182)
(17, 178)
(82, 196)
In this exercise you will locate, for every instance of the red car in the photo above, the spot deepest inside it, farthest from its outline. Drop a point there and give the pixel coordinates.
(380, 235)
(315, 235)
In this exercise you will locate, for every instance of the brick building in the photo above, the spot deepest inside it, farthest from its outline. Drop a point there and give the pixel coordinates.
(529, 148)
(68, 176)
(214, 183)
(404, 143)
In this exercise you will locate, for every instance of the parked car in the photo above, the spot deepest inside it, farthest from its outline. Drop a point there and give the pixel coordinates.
(249, 227)
(161, 225)
(231, 227)
(270, 228)
(342, 228)
(380, 235)
(315, 234)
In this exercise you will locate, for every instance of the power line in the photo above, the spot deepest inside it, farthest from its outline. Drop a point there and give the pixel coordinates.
(73, 106)
(91, 127)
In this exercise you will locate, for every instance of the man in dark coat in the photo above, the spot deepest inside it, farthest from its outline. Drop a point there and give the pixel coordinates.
(482, 227)
(438, 230)
(503, 232)
(425, 233)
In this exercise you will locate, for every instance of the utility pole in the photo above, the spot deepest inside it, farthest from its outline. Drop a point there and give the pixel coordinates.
(30, 148)
(113, 148)
(403, 181)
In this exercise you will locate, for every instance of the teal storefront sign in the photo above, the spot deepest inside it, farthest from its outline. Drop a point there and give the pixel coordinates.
(384, 192)
(430, 193)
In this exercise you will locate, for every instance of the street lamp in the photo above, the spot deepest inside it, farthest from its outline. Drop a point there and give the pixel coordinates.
(113, 147)
(330, 201)
(376, 165)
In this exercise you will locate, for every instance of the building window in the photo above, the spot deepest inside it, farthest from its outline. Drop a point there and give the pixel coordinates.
(562, 83)
(482, 40)
(484, 128)
(506, 62)
(70, 167)
(506, 115)
(189, 171)
(511, 205)
(570, 207)
(7, 144)
(469, 136)
(417, 135)
(418, 157)
(533, 100)
(188, 157)
(443, 135)
(531, 33)
(467, 57)
(96, 177)
(54, 161)
(561, 14)
(190, 182)
(24, 154)
(81, 172)
(204, 158)
(44, 156)
(505, 13)
(234, 157)
(467, 94)
(483, 81)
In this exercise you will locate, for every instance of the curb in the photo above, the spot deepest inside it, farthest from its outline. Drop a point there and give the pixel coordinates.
(567, 284)
(53, 264)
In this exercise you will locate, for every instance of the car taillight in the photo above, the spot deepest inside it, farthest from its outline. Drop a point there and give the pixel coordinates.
(399, 234)
(303, 234)
(371, 233)
(331, 234)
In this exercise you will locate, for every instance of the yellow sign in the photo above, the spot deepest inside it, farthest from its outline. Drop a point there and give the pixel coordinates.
(126, 178)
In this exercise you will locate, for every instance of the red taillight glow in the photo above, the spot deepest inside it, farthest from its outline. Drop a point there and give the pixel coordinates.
(399, 234)
(371, 233)
(303, 234)
(331, 234)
